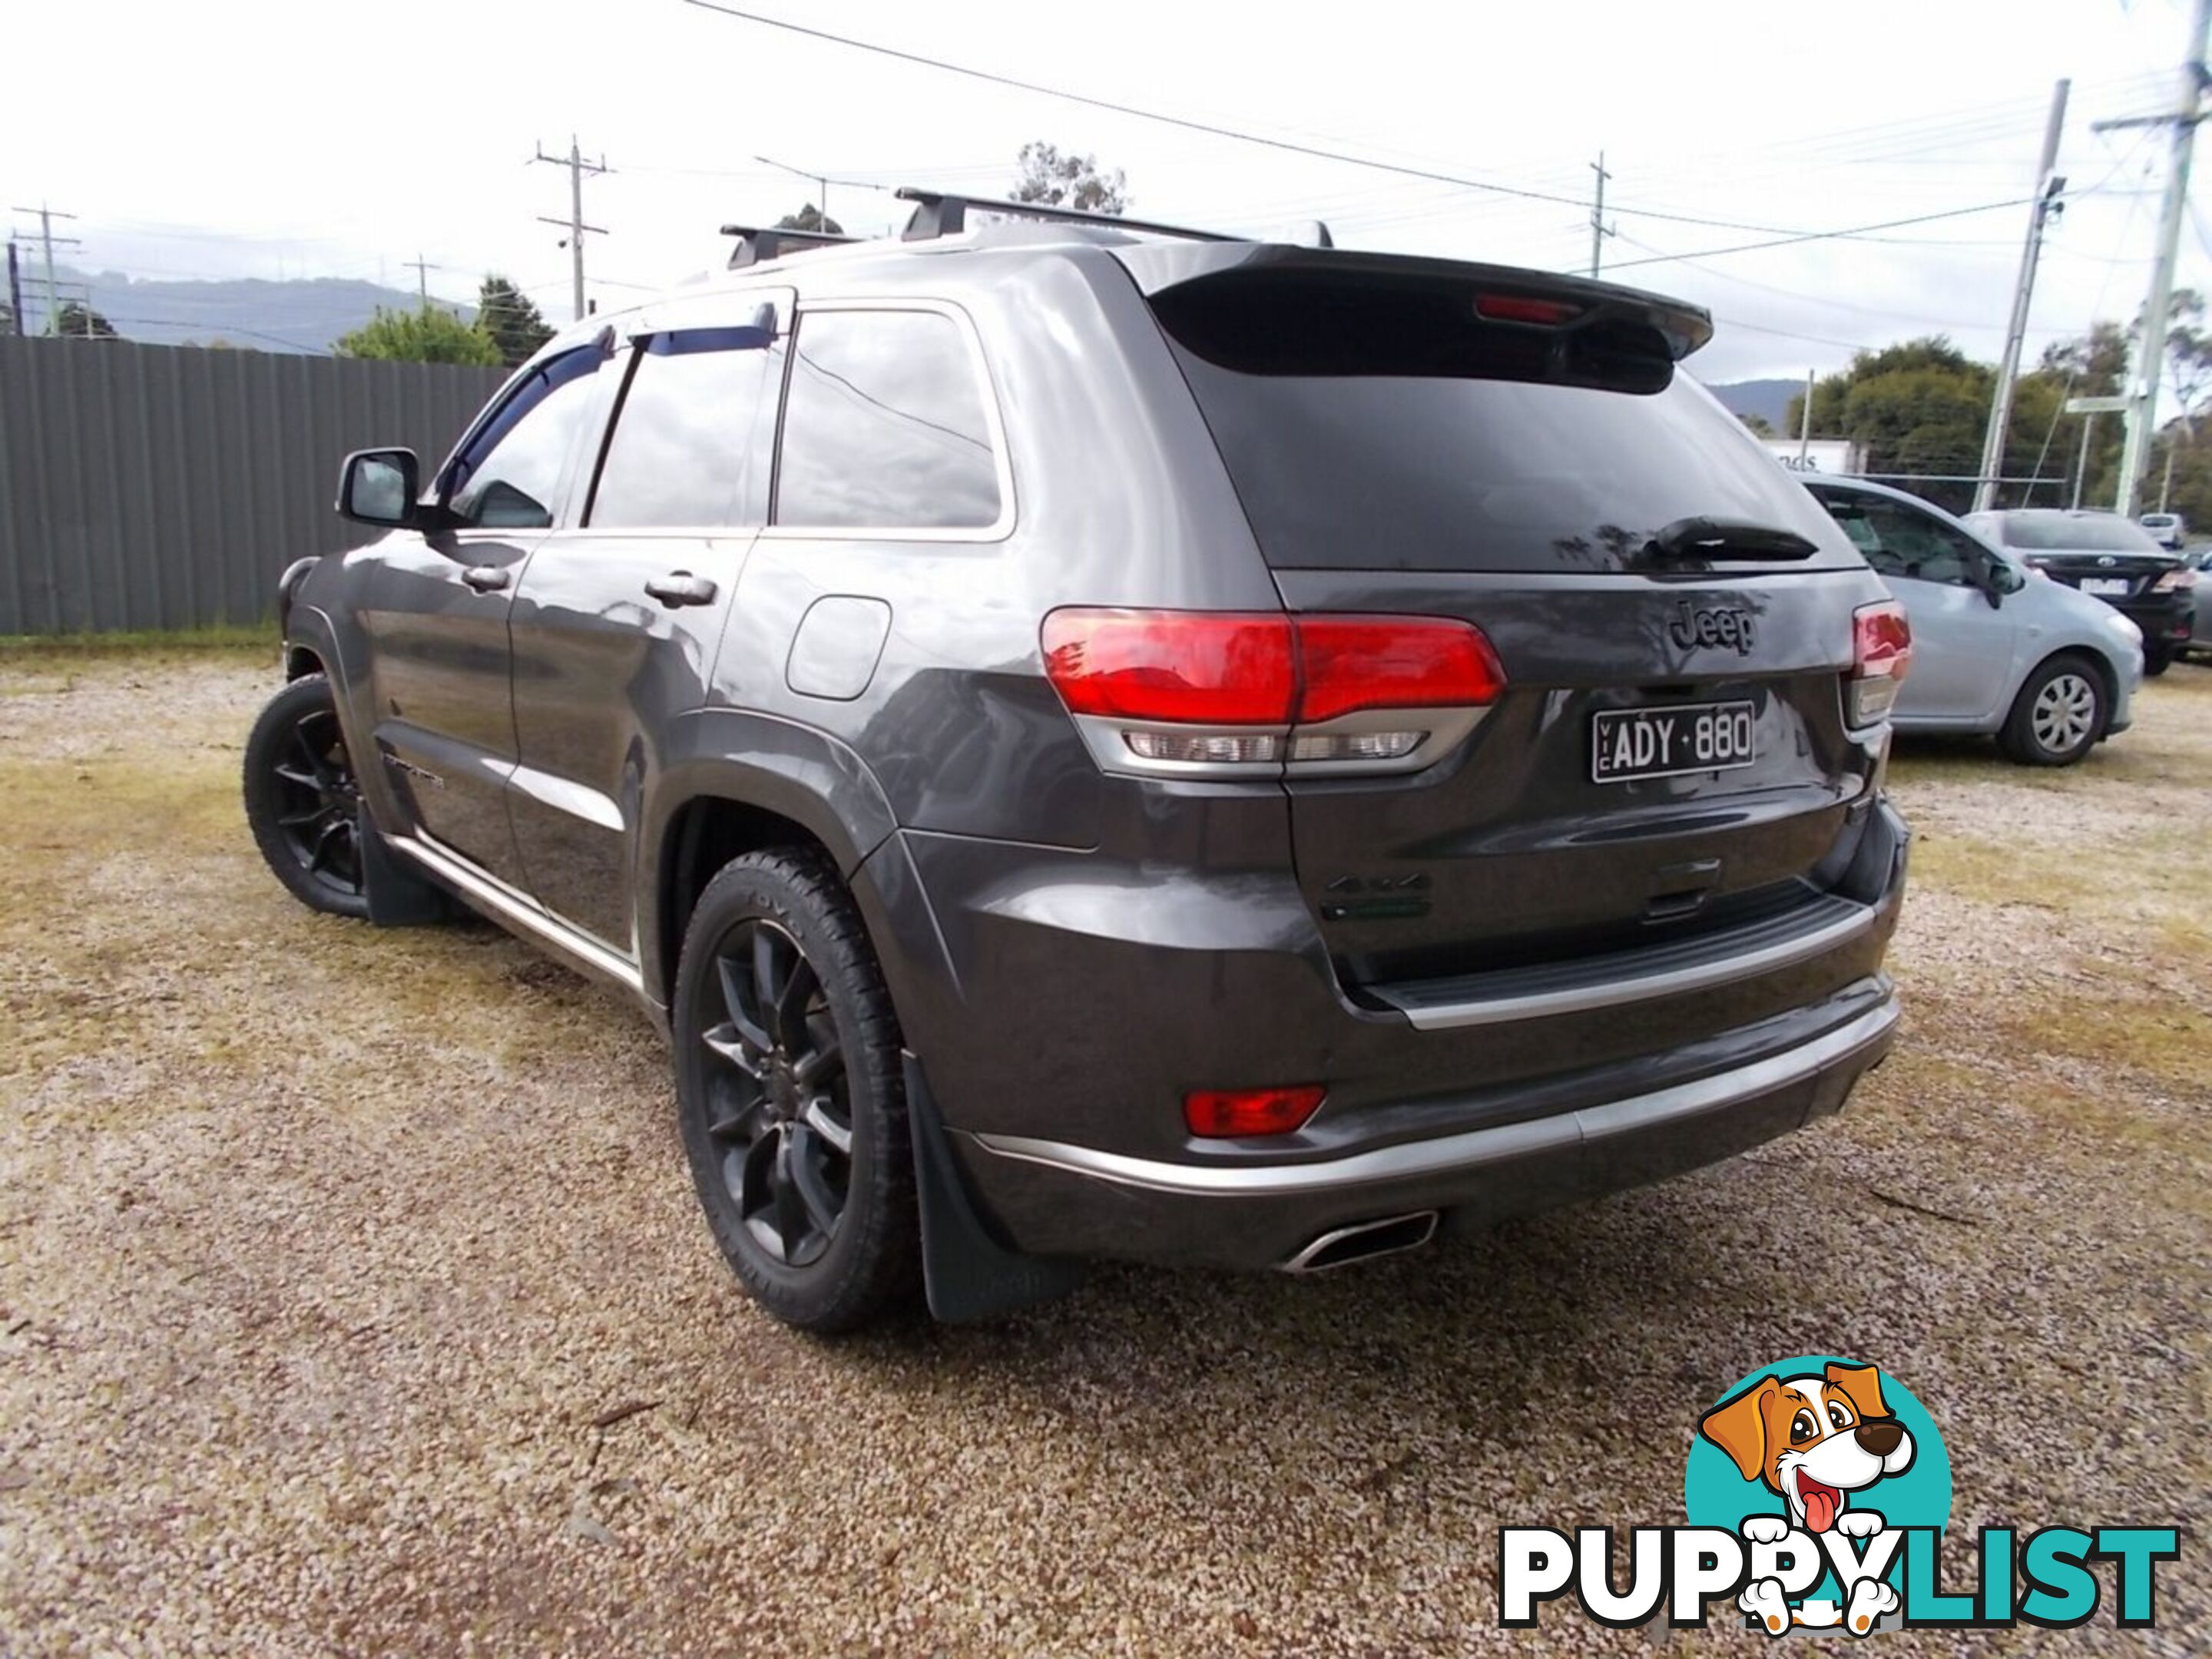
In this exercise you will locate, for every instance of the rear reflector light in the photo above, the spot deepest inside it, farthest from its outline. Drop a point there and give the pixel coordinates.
(1215, 1114)
(1521, 308)
(1881, 652)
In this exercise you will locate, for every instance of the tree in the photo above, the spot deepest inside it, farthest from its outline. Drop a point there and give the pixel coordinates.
(2047, 442)
(2188, 352)
(428, 336)
(1919, 409)
(810, 217)
(81, 322)
(1045, 175)
(514, 323)
(1760, 427)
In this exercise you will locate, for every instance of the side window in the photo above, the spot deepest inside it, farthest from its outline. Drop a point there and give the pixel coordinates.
(505, 478)
(1925, 549)
(690, 440)
(1850, 512)
(883, 426)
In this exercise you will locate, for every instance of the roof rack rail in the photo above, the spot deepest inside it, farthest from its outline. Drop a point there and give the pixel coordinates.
(759, 244)
(942, 213)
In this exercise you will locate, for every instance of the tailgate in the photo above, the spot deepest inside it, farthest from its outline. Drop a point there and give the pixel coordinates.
(1670, 754)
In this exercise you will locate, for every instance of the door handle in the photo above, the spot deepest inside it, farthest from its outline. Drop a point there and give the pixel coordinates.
(680, 587)
(486, 578)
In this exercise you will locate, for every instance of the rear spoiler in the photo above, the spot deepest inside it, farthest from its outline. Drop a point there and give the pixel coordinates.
(1496, 292)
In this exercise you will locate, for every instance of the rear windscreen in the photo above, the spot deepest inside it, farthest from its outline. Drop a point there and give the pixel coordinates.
(2065, 532)
(1362, 431)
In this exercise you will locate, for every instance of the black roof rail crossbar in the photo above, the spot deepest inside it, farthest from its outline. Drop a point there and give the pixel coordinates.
(758, 244)
(941, 213)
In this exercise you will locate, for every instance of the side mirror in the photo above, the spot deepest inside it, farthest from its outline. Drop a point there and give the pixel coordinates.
(380, 487)
(2003, 578)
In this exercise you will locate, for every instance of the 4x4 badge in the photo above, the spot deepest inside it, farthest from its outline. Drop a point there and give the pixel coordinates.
(1728, 625)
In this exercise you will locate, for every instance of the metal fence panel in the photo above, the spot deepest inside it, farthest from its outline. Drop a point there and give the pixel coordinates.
(154, 487)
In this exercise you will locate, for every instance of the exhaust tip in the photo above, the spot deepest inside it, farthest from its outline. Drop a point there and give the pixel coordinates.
(1364, 1241)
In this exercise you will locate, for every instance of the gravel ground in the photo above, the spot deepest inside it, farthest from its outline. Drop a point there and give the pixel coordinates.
(353, 1299)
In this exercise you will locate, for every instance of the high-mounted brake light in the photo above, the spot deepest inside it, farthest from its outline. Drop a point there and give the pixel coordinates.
(1214, 1114)
(1220, 693)
(1881, 652)
(1524, 308)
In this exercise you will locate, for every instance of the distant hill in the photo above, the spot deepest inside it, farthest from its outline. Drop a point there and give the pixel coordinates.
(1768, 399)
(289, 316)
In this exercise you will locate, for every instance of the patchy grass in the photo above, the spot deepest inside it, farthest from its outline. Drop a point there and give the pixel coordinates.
(145, 645)
(310, 1230)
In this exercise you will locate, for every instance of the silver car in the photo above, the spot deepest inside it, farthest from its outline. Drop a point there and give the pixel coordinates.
(1996, 648)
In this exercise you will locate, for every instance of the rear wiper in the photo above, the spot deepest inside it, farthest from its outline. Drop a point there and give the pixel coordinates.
(1727, 538)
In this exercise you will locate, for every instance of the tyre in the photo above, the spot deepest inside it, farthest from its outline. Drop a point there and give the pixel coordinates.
(302, 801)
(790, 1093)
(2058, 716)
(2157, 658)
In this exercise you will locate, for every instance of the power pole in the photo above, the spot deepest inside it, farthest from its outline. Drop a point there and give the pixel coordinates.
(2048, 185)
(1599, 229)
(2151, 344)
(15, 292)
(578, 166)
(2081, 464)
(1805, 420)
(421, 268)
(46, 237)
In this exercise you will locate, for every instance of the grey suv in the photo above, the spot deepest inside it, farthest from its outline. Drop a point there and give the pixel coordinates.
(1100, 740)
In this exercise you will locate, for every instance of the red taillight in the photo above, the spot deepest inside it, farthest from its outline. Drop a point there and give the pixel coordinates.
(1346, 664)
(1523, 308)
(1226, 668)
(1216, 1114)
(1881, 639)
(1881, 652)
(1199, 667)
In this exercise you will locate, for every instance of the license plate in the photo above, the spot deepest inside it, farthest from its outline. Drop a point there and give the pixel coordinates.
(2107, 584)
(1665, 743)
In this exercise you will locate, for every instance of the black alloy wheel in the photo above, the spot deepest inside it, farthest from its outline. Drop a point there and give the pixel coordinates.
(775, 1080)
(302, 800)
(791, 1092)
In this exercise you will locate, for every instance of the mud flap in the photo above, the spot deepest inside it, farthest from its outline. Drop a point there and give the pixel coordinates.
(399, 896)
(970, 1275)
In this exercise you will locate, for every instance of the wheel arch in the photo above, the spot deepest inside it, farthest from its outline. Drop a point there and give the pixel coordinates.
(734, 782)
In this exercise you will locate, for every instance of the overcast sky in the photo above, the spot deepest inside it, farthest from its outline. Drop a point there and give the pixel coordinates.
(271, 138)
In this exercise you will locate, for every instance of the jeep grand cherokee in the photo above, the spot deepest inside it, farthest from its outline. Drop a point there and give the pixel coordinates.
(1099, 740)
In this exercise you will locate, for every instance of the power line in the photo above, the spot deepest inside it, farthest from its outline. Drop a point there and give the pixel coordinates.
(1807, 236)
(1290, 146)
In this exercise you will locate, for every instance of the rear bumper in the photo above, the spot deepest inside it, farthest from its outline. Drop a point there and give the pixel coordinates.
(1058, 1199)
(1078, 1001)
(2164, 618)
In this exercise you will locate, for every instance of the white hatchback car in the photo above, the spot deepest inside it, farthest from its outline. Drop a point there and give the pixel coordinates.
(1997, 648)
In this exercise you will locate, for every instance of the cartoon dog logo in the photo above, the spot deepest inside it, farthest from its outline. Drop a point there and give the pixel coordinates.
(1816, 1441)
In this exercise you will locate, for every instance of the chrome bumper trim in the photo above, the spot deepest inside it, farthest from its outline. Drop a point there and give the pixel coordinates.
(1636, 987)
(1448, 1155)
